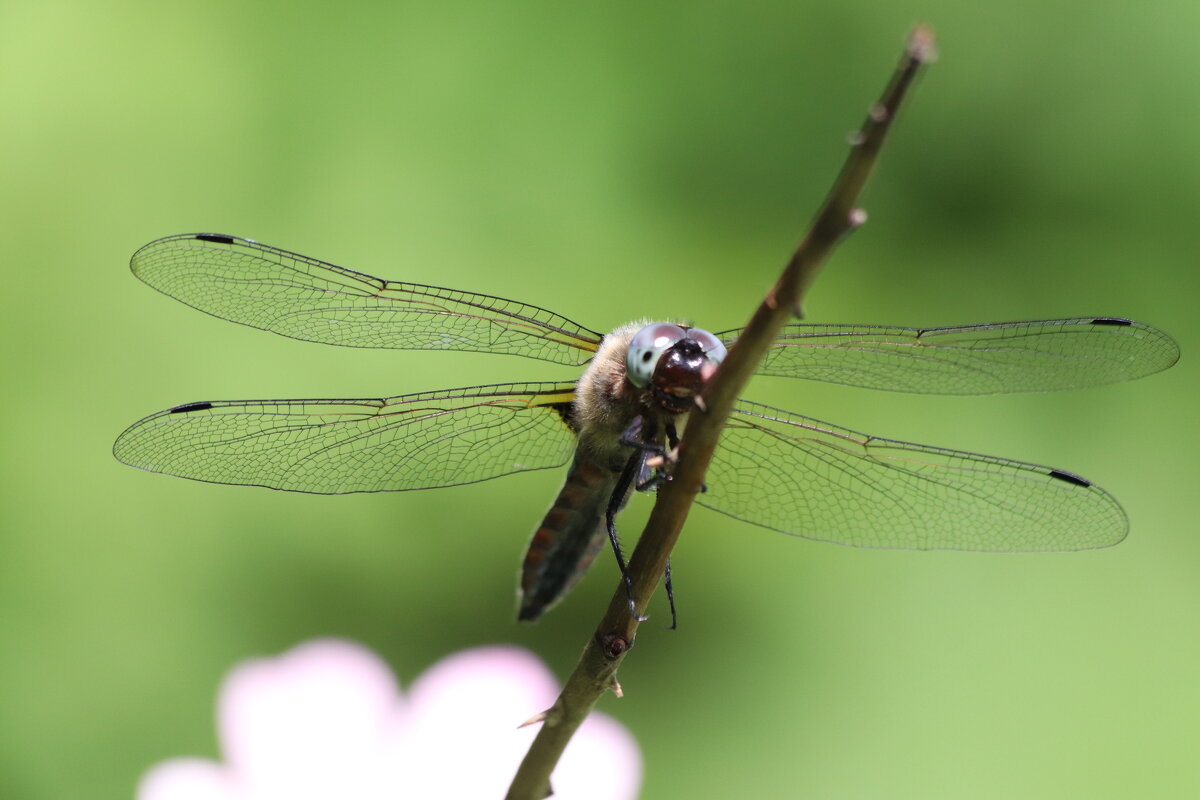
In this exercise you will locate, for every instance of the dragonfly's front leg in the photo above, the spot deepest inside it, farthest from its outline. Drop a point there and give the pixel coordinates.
(658, 462)
(653, 456)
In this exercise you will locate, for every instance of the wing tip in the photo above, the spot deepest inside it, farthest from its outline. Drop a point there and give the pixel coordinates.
(137, 259)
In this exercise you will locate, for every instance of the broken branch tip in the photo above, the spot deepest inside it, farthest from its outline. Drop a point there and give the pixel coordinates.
(922, 45)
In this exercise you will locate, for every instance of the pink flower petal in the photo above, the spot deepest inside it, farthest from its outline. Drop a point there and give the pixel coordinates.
(327, 720)
(602, 761)
(186, 779)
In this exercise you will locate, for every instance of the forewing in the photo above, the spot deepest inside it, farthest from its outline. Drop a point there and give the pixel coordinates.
(996, 358)
(293, 295)
(415, 441)
(812, 479)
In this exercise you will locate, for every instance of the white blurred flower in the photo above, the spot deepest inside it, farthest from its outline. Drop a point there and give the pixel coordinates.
(327, 720)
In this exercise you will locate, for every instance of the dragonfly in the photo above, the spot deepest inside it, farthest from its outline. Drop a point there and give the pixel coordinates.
(773, 468)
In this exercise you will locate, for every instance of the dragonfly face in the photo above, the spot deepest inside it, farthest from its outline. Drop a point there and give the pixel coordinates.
(674, 361)
(774, 468)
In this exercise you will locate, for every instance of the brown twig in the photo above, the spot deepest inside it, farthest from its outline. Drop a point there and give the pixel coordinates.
(838, 216)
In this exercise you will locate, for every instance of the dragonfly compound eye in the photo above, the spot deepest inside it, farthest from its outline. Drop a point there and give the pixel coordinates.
(647, 347)
(714, 348)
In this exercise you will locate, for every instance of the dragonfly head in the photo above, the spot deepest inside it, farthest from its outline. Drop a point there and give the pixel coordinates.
(673, 362)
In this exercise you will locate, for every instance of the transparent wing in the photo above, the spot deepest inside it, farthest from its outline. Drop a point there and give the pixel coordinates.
(812, 479)
(250, 283)
(997, 358)
(416, 441)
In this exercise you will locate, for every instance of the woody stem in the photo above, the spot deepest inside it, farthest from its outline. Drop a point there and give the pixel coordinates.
(838, 216)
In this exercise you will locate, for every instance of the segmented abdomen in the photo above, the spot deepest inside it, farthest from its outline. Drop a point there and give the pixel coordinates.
(567, 541)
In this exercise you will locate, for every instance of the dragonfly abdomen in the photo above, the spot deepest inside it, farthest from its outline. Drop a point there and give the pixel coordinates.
(567, 541)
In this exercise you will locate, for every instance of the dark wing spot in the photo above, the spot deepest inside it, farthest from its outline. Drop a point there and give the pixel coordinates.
(187, 407)
(214, 237)
(646, 355)
(1069, 477)
(1112, 321)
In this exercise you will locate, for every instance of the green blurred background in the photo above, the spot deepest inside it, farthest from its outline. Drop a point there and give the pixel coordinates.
(606, 162)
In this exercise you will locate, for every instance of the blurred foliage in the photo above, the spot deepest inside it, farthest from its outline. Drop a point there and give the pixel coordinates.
(606, 161)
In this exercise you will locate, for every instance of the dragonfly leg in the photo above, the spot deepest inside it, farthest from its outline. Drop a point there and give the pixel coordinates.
(672, 436)
(615, 503)
(673, 444)
(670, 597)
(651, 478)
(640, 435)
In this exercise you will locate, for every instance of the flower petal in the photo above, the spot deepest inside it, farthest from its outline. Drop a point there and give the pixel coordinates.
(467, 708)
(186, 779)
(601, 762)
(327, 720)
(310, 723)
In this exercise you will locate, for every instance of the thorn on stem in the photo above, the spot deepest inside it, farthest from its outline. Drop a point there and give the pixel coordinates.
(535, 719)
